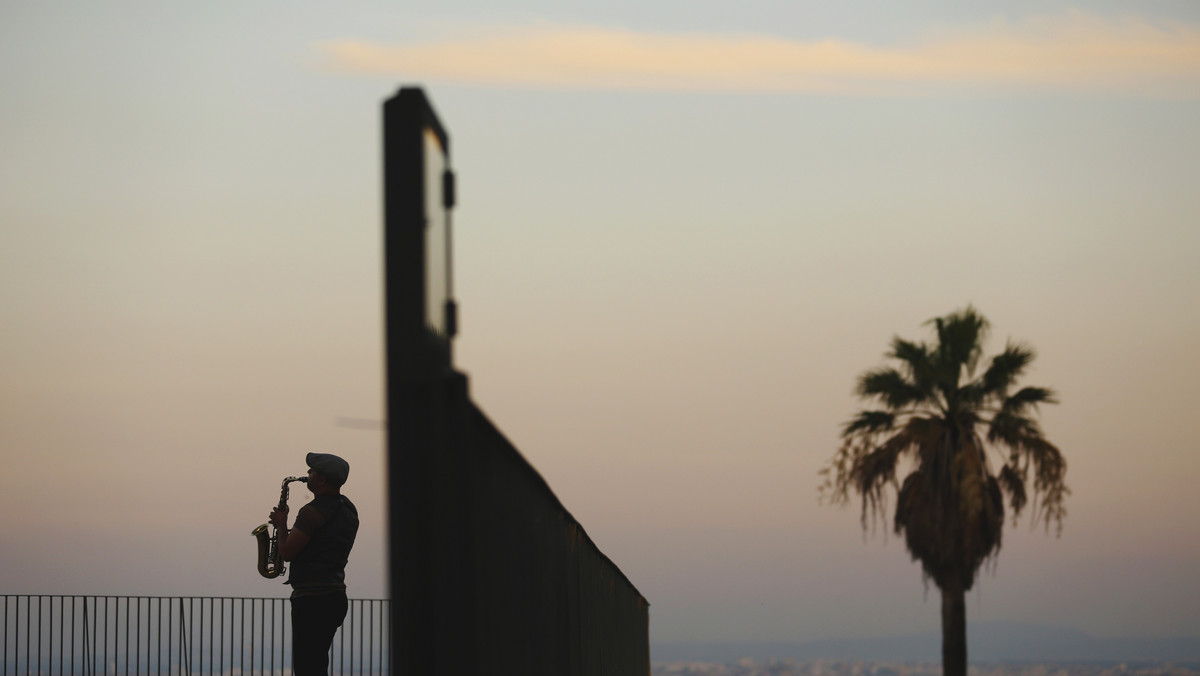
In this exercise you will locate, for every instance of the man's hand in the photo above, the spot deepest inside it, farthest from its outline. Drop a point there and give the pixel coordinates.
(278, 518)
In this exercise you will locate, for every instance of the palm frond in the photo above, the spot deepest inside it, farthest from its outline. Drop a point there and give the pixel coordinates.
(869, 421)
(877, 468)
(865, 467)
(915, 509)
(1012, 480)
(890, 387)
(960, 343)
(1005, 368)
(1028, 397)
(1049, 473)
(993, 523)
(917, 361)
(1011, 429)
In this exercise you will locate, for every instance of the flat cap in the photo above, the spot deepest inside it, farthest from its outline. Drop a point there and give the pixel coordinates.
(333, 468)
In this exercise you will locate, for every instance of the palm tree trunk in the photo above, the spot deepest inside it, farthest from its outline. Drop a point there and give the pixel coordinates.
(954, 630)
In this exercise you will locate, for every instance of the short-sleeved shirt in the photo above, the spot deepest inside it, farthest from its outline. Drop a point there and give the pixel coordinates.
(331, 522)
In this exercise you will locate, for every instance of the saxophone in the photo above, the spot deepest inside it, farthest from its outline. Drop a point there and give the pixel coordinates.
(270, 562)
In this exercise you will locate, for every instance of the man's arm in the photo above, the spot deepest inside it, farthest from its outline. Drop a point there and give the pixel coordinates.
(291, 542)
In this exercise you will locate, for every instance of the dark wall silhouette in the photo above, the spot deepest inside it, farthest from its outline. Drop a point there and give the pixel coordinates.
(513, 584)
(489, 572)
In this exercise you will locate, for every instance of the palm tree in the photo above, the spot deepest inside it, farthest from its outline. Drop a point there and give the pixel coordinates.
(931, 418)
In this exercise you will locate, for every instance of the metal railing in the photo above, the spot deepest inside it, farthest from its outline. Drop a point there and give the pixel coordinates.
(135, 635)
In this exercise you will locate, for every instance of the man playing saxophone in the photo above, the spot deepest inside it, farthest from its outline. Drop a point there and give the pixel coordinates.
(318, 546)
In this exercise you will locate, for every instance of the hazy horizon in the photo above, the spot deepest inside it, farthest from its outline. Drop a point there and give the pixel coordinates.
(681, 235)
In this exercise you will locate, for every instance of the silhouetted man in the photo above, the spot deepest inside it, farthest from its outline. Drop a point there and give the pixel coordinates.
(318, 546)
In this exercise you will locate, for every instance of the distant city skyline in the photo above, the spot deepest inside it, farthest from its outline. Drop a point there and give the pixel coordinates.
(1019, 645)
(669, 275)
(833, 667)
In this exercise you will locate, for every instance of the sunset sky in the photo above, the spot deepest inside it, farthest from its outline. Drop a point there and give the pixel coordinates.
(684, 228)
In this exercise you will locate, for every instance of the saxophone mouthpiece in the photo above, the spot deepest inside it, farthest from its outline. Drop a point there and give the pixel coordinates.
(302, 479)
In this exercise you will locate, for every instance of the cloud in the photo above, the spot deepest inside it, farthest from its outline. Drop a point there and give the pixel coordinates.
(1075, 51)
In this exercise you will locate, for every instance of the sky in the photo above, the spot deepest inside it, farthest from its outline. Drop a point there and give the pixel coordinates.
(683, 230)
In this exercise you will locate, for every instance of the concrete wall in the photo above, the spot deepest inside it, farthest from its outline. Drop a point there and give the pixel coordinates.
(553, 603)
(512, 582)
(489, 572)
